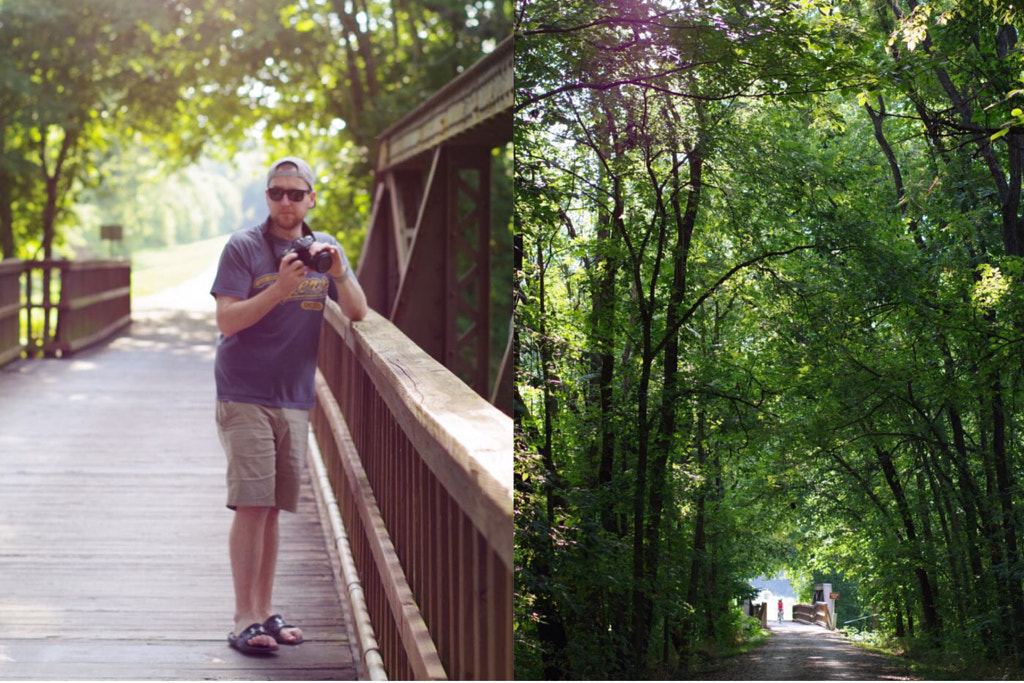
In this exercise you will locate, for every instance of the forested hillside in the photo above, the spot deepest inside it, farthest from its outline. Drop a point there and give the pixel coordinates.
(105, 104)
(769, 314)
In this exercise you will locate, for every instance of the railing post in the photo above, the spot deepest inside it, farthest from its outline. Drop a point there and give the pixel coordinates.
(92, 302)
(48, 303)
(95, 303)
(34, 342)
(10, 309)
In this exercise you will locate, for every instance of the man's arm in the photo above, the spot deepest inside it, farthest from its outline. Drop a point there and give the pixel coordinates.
(235, 314)
(351, 297)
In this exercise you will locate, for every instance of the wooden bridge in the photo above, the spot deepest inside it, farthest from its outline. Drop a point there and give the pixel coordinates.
(817, 614)
(113, 534)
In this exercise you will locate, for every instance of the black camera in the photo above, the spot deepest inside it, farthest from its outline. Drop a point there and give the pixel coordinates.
(320, 262)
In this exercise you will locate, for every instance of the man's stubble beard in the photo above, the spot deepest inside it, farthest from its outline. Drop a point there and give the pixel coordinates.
(292, 223)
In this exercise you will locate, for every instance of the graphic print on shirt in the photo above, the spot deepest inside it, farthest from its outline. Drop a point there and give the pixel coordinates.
(310, 291)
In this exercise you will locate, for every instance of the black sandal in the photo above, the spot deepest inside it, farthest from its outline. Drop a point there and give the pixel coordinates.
(241, 641)
(275, 624)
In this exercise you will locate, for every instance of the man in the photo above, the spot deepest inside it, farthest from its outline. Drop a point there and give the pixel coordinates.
(269, 311)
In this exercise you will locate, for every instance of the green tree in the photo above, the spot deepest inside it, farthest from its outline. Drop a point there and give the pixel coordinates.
(193, 77)
(770, 258)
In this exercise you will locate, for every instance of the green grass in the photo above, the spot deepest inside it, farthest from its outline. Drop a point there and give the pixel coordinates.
(711, 656)
(945, 664)
(154, 270)
(750, 639)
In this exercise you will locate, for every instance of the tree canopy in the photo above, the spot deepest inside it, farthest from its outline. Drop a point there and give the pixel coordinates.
(110, 98)
(769, 313)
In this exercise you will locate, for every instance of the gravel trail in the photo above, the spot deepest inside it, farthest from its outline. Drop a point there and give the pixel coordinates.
(798, 652)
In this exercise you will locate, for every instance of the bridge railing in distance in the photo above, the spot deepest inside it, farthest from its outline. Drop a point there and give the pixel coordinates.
(422, 468)
(10, 309)
(817, 614)
(822, 616)
(760, 612)
(87, 302)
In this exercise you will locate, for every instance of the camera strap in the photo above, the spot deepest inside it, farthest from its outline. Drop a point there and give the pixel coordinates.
(269, 239)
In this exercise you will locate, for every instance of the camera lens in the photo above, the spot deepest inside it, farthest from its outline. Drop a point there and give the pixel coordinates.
(322, 262)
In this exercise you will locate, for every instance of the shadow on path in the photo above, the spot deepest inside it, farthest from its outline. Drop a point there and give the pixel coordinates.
(797, 652)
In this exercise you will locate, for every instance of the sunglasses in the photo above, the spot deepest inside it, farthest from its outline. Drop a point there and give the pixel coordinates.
(277, 193)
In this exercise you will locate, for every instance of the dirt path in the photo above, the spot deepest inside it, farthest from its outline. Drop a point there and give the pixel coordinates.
(797, 652)
(191, 295)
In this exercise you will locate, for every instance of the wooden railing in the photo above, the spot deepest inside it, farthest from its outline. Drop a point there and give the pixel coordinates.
(10, 310)
(79, 303)
(760, 612)
(422, 467)
(816, 614)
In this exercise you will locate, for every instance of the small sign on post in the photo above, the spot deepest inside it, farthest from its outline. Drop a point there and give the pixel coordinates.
(111, 234)
(114, 233)
(833, 596)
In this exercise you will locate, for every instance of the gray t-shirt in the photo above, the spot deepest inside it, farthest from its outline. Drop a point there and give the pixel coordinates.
(272, 363)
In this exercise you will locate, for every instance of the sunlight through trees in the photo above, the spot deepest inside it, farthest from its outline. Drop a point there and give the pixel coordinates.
(769, 313)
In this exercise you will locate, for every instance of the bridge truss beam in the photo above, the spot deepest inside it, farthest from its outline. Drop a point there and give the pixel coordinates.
(426, 260)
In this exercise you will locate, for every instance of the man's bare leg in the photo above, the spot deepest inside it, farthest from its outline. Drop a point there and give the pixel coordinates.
(263, 586)
(246, 544)
(263, 595)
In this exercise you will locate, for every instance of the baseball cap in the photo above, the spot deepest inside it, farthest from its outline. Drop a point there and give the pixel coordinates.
(301, 170)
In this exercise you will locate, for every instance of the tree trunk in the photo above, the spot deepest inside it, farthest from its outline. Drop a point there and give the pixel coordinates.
(666, 433)
(7, 247)
(550, 628)
(641, 618)
(52, 184)
(694, 582)
(363, 46)
(952, 535)
(1004, 483)
(932, 622)
(604, 336)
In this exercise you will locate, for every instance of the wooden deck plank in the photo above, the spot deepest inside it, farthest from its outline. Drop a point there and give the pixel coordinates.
(113, 530)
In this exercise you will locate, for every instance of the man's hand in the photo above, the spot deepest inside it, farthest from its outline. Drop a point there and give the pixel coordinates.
(350, 295)
(290, 274)
(235, 315)
(337, 264)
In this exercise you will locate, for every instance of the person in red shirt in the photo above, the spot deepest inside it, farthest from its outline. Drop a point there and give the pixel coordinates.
(780, 610)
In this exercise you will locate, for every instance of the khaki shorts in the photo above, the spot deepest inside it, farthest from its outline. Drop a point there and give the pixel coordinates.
(266, 448)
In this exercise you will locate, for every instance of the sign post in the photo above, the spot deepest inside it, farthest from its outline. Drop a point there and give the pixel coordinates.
(111, 234)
